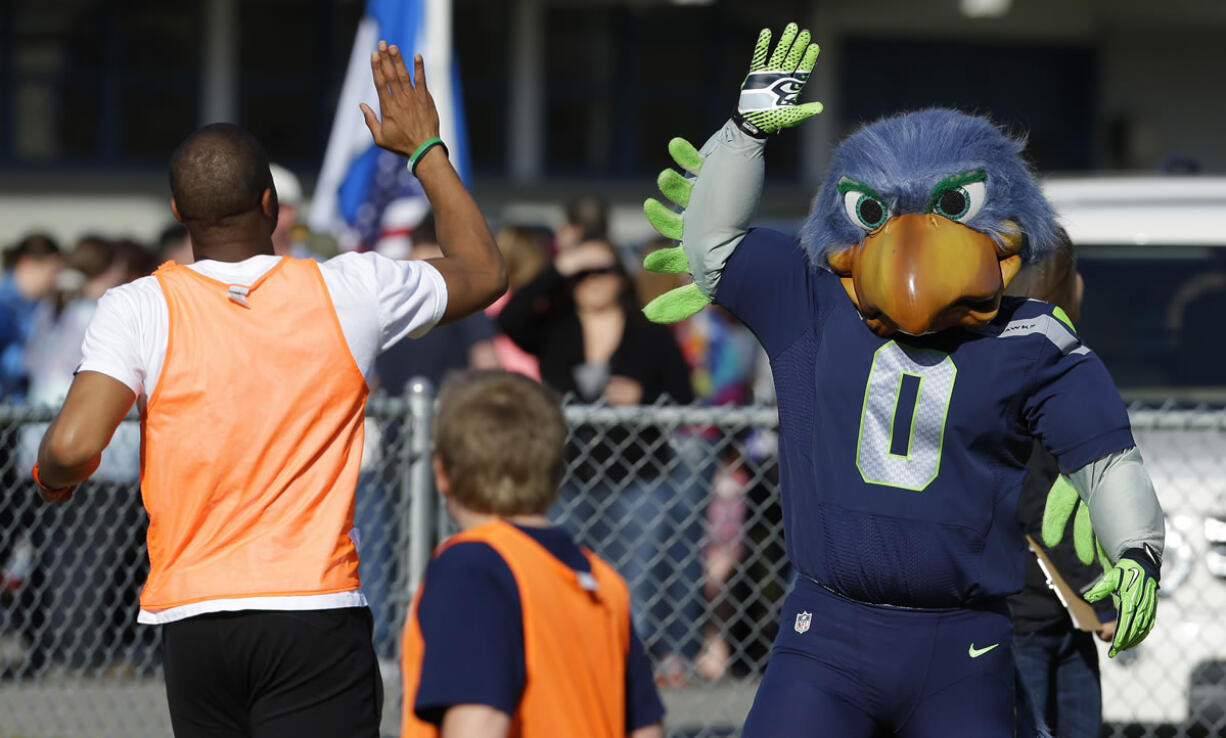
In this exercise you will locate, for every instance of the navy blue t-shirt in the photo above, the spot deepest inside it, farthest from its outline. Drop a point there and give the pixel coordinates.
(472, 627)
(901, 459)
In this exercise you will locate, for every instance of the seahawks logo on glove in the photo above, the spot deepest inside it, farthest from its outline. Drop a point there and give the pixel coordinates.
(770, 90)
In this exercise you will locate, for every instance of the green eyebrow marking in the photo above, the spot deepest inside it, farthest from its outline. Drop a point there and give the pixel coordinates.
(953, 181)
(847, 184)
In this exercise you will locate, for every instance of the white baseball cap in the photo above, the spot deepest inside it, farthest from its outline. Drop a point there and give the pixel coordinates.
(289, 191)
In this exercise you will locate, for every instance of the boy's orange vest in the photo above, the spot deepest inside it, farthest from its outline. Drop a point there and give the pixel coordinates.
(575, 643)
(251, 441)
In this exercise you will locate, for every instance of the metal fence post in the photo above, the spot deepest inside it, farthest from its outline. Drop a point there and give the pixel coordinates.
(418, 482)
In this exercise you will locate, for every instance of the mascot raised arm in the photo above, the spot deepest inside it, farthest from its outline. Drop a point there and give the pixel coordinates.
(910, 394)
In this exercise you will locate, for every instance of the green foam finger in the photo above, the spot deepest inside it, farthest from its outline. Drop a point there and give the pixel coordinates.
(761, 50)
(675, 187)
(667, 261)
(686, 156)
(792, 60)
(1083, 535)
(676, 305)
(781, 49)
(810, 58)
(668, 223)
(1061, 499)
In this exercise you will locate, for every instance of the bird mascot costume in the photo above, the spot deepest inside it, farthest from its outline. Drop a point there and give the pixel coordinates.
(910, 392)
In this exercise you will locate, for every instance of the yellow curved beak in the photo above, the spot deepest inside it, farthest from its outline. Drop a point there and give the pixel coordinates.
(924, 273)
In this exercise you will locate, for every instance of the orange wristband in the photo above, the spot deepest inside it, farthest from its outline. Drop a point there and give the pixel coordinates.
(45, 488)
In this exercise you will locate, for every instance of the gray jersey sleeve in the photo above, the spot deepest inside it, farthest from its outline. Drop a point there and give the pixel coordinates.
(724, 198)
(1123, 506)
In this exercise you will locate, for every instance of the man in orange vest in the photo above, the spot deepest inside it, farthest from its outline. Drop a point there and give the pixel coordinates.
(517, 631)
(250, 373)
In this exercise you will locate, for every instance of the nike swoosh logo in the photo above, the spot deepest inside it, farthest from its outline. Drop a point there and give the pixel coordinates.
(977, 652)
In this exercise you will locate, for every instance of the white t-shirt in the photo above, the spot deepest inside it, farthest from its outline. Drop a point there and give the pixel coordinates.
(378, 302)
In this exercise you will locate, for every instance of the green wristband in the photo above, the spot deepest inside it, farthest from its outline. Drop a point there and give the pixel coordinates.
(421, 151)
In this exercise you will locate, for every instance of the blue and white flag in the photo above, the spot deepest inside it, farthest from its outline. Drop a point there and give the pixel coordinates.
(359, 180)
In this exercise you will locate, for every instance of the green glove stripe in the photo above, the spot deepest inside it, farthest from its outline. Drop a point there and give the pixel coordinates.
(792, 61)
(1150, 608)
(1133, 637)
(667, 261)
(675, 187)
(1147, 610)
(686, 156)
(676, 305)
(1123, 625)
(663, 219)
(782, 48)
(761, 50)
(810, 58)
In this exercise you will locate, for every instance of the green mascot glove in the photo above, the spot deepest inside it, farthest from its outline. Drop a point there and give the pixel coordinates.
(1132, 582)
(767, 104)
(1133, 586)
(769, 92)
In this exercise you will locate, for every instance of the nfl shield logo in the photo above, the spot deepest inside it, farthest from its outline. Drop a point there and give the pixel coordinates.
(803, 619)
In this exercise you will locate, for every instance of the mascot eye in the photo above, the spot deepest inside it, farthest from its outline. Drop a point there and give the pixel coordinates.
(865, 210)
(961, 203)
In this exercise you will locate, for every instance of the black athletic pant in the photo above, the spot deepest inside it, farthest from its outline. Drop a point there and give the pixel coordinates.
(273, 674)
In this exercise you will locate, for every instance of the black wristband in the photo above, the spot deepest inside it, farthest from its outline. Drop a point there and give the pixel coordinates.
(1147, 559)
(748, 128)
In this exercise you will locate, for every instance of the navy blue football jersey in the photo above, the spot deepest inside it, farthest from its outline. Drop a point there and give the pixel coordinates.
(901, 459)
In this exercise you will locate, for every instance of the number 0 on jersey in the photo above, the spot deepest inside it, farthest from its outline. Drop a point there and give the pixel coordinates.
(902, 425)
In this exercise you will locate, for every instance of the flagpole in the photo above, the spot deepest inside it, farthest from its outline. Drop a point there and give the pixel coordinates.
(349, 136)
(436, 44)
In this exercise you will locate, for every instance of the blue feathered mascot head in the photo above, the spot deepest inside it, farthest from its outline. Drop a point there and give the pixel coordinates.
(927, 216)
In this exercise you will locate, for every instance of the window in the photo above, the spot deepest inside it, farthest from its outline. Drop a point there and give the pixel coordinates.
(482, 33)
(93, 82)
(293, 55)
(621, 81)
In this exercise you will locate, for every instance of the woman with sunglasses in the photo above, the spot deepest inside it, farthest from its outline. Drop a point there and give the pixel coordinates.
(579, 317)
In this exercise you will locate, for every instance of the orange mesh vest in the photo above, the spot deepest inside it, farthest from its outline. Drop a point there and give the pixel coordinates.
(251, 441)
(575, 643)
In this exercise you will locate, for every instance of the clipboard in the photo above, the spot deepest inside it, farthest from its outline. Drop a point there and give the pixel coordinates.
(1082, 614)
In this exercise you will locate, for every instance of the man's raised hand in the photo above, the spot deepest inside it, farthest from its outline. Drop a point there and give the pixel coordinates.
(409, 115)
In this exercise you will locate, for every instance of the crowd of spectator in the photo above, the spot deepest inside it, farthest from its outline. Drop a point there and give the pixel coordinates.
(668, 507)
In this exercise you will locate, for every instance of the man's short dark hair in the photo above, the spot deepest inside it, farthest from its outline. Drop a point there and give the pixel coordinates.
(219, 171)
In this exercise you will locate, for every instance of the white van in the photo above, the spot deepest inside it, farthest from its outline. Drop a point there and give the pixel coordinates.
(1152, 251)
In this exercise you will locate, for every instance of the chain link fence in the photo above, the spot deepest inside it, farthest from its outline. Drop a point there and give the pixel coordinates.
(684, 501)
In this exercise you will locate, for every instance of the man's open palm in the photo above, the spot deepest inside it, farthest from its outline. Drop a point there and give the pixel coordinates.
(409, 115)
